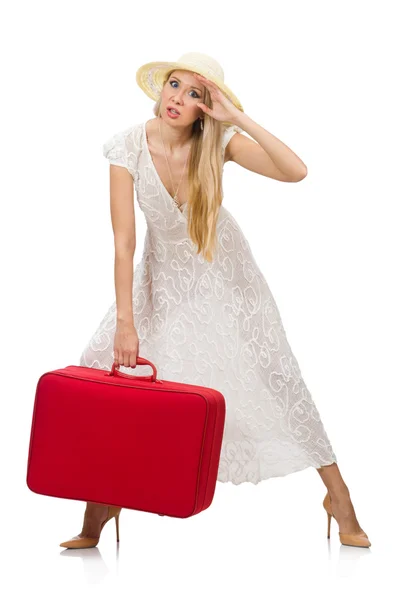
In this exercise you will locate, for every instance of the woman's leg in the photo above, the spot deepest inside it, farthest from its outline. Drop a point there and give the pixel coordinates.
(94, 516)
(342, 506)
(333, 481)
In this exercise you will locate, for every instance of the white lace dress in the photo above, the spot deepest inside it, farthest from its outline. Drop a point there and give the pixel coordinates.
(214, 324)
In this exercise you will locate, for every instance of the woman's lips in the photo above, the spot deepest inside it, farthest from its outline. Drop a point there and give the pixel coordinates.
(171, 114)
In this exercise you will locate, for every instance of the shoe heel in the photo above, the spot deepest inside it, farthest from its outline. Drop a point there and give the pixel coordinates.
(117, 527)
(329, 525)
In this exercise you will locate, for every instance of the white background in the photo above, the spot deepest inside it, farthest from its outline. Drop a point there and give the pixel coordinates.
(318, 75)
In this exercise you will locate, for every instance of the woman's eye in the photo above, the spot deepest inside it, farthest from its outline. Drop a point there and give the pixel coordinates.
(194, 92)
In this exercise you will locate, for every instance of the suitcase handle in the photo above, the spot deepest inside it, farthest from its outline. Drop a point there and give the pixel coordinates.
(139, 361)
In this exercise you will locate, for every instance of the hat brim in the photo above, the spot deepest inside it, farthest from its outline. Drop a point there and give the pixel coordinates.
(150, 78)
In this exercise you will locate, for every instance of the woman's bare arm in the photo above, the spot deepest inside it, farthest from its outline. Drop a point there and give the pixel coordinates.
(267, 155)
(123, 224)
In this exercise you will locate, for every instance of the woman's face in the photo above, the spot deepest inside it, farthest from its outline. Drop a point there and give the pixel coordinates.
(182, 91)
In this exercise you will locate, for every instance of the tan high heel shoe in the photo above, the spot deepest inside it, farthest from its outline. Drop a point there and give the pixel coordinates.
(91, 542)
(348, 539)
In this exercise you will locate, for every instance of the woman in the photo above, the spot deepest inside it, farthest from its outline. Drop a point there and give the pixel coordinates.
(197, 305)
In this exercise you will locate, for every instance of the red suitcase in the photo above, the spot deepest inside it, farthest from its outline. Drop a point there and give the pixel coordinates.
(131, 441)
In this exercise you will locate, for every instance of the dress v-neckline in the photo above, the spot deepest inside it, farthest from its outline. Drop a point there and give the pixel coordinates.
(180, 207)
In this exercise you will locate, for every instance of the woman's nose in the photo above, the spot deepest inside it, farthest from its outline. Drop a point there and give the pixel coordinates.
(178, 97)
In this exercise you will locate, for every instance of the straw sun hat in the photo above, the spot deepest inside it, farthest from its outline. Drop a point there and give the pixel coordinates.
(150, 76)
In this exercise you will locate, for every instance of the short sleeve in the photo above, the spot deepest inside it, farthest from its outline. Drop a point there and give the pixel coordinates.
(228, 133)
(120, 150)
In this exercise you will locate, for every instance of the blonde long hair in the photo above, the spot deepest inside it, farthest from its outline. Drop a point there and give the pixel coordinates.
(205, 170)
